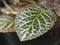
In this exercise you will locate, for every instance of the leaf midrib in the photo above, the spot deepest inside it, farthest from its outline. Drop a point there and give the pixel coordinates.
(41, 11)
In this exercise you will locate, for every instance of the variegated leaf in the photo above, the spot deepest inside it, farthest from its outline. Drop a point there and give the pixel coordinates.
(5, 21)
(33, 21)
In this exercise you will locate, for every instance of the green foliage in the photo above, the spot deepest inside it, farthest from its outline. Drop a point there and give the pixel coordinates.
(33, 21)
(6, 22)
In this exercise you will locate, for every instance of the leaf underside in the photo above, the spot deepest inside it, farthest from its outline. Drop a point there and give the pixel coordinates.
(5, 22)
(33, 21)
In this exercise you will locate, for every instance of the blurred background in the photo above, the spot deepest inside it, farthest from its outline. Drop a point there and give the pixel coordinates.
(52, 37)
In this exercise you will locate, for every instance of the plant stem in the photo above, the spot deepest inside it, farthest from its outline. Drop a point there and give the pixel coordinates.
(33, 2)
(6, 5)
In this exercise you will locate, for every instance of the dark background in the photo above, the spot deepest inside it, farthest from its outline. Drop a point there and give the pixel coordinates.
(52, 37)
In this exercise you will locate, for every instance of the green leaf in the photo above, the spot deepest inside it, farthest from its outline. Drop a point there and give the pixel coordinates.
(6, 22)
(33, 21)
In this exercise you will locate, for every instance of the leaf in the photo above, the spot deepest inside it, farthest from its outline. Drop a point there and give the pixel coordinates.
(6, 22)
(33, 21)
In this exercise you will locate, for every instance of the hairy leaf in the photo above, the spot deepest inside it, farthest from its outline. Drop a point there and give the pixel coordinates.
(5, 22)
(33, 21)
